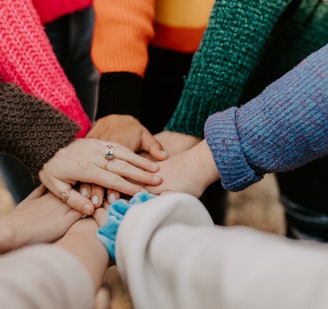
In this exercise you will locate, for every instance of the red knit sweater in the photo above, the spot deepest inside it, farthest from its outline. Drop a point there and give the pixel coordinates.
(27, 60)
(49, 10)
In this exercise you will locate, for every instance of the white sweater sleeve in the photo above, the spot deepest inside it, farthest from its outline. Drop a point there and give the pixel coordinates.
(172, 256)
(44, 276)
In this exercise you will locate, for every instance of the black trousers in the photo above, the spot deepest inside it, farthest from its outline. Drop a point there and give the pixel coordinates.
(304, 195)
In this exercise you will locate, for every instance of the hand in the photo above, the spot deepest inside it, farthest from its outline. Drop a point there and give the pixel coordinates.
(191, 171)
(129, 132)
(175, 142)
(83, 161)
(38, 218)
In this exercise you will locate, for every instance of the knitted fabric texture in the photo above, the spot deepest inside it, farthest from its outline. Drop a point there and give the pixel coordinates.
(233, 44)
(122, 59)
(49, 10)
(283, 128)
(30, 129)
(27, 60)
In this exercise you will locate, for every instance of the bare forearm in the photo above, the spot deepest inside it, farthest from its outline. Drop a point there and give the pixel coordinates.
(88, 249)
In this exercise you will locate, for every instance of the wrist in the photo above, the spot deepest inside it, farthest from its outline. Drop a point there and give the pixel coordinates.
(205, 164)
(9, 239)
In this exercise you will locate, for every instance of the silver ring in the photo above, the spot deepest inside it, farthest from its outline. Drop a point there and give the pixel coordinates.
(65, 195)
(109, 155)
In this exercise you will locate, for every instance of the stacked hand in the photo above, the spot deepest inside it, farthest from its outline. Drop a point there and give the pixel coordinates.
(84, 161)
(39, 218)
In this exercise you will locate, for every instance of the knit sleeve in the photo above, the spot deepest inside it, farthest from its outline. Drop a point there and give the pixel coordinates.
(172, 256)
(122, 33)
(44, 276)
(230, 49)
(283, 128)
(30, 129)
(119, 93)
(27, 60)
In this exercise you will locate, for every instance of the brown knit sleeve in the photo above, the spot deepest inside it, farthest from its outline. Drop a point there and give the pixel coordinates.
(30, 129)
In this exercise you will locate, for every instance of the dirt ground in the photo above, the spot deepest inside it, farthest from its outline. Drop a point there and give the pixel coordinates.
(257, 206)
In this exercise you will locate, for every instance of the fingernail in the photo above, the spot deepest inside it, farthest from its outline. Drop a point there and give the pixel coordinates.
(87, 209)
(112, 198)
(163, 153)
(94, 200)
(156, 178)
(154, 165)
(84, 192)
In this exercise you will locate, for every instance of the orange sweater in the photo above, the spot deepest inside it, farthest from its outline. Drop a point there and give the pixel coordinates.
(125, 29)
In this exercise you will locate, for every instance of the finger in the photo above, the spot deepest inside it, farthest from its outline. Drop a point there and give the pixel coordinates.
(71, 197)
(85, 190)
(112, 196)
(153, 147)
(110, 180)
(37, 192)
(127, 170)
(106, 205)
(100, 215)
(127, 155)
(97, 195)
(80, 203)
(92, 174)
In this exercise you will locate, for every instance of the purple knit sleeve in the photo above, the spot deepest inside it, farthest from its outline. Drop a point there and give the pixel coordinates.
(285, 127)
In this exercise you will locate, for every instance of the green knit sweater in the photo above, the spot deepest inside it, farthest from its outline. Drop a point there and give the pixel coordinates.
(247, 45)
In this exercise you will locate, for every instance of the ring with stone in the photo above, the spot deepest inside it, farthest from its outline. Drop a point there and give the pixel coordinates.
(109, 155)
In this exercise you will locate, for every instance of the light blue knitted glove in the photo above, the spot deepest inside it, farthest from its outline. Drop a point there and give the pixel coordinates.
(107, 233)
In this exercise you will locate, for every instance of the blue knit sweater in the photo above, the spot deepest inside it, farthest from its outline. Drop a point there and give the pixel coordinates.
(283, 128)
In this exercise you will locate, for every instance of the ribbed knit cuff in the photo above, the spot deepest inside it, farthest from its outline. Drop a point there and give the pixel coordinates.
(119, 93)
(281, 129)
(30, 129)
(222, 137)
(224, 60)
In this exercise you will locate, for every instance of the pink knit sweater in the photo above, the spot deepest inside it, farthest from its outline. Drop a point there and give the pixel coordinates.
(49, 10)
(27, 59)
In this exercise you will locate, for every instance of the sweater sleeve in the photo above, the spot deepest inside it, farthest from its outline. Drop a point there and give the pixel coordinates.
(44, 276)
(230, 49)
(283, 128)
(122, 34)
(31, 130)
(27, 60)
(172, 256)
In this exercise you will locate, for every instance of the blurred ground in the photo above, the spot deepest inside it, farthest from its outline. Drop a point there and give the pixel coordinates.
(257, 206)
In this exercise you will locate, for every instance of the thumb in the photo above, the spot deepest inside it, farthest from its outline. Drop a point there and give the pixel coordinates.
(153, 147)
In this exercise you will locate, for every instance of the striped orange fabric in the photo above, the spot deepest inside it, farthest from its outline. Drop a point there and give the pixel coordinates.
(184, 40)
(124, 29)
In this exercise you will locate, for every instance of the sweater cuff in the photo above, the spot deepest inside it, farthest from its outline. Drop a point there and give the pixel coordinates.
(222, 137)
(119, 93)
(30, 129)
